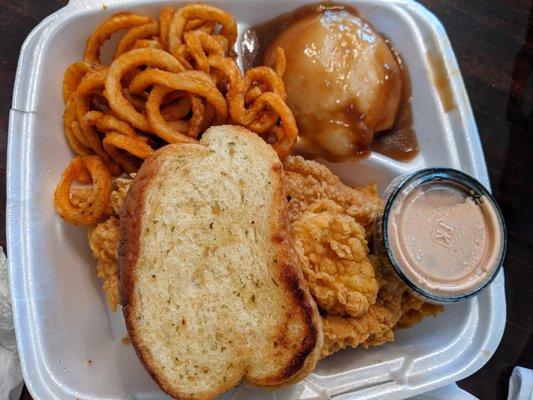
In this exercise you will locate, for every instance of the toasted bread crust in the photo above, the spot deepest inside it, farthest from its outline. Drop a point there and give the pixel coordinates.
(287, 271)
(130, 233)
(290, 274)
(130, 222)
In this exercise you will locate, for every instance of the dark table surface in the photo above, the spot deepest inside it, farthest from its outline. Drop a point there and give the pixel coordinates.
(493, 41)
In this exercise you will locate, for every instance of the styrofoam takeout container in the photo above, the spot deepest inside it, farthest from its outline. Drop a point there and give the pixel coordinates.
(69, 343)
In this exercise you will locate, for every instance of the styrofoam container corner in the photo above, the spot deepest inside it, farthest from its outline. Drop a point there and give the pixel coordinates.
(61, 317)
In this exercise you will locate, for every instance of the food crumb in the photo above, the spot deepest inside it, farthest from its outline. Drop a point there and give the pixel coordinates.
(89, 362)
(125, 340)
(104, 6)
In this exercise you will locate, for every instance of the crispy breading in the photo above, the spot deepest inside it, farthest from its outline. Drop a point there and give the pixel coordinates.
(307, 181)
(103, 241)
(104, 238)
(373, 328)
(120, 189)
(415, 309)
(333, 250)
(81, 195)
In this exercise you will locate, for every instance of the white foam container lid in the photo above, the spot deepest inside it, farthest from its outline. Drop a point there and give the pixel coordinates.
(60, 311)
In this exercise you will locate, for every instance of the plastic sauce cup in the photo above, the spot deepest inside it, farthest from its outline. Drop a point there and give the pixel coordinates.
(442, 233)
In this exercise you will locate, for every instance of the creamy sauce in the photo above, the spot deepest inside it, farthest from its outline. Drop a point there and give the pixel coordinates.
(441, 80)
(445, 241)
(398, 142)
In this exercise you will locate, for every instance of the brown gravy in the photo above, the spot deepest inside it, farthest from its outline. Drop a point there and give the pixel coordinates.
(399, 142)
(441, 80)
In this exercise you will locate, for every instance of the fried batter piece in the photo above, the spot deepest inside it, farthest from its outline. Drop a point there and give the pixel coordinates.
(309, 186)
(81, 195)
(415, 309)
(373, 328)
(120, 189)
(104, 239)
(307, 181)
(395, 308)
(333, 253)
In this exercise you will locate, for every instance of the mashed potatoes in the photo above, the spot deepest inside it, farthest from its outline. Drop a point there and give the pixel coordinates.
(343, 81)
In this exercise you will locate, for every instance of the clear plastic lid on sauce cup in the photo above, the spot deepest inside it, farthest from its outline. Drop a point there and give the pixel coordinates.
(442, 232)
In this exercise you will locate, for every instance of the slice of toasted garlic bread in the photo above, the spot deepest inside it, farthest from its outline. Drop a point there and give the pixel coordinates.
(211, 288)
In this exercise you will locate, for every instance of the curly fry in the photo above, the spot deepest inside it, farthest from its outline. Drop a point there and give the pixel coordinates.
(213, 45)
(263, 114)
(228, 68)
(168, 131)
(261, 80)
(193, 24)
(114, 142)
(236, 96)
(135, 34)
(253, 93)
(138, 102)
(208, 118)
(108, 122)
(277, 61)
(223, 42)
(195, 82)
(268, 78)
(165, 19)
(74, 137)
(287, 133)
(198, 47)
(94, 209)
(184, 57)
(73, 75)
(202, 12)
(194, 46)
(83, 176)
(177, 109)
(200, 25)
(90, 84)
(72, 127)
(99, 102)
(76, 129)
(154, 58)
(76, 146)
(113, 24)
(147, 43)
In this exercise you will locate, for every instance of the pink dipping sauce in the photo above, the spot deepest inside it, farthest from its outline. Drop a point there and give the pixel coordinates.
(442, 233)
